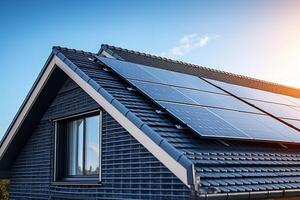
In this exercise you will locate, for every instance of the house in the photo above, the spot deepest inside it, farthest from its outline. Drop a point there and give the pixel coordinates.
(120, 124)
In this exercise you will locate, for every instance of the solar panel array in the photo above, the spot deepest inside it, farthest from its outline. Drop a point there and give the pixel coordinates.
(283, 107)
(204, 108)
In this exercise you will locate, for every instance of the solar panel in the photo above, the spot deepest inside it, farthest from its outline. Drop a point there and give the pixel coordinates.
(295, 123)
(217, 100)
(280, 106)
(151, 74)
(294, 100)
(206, 109)
(255, 94)
(188, 96)
(162, 92)
(259, 126)
(279, 110)
(203, 121)
(181, 80)
(129, 70)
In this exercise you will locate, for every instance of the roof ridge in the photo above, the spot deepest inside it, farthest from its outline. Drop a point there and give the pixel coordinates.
(73, 50)
(106, 46)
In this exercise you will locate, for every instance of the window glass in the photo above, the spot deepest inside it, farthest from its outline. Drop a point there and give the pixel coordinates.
(92, 145)
(80, 136)
(81, 144)
(75, 147)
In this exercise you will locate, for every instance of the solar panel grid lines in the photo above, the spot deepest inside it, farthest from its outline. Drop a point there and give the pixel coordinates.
(217, 100)
(279, 110)
(187, 96)
(203, 121)
(181, 80)
(242, 125)
(295, 123)
(162, 92)
(295, 108)
(144, 73)
(262, 127)
(208, 110)
(294, 100)
(255, 94)
(281, 107)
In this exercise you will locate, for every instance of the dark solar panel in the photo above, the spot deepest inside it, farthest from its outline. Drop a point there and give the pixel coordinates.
(258, 126)
(280, 106)
(191, 96)
(217, 100)
(205, 108)
(255, 94)
(203, 121)
(181, 80)
(129, 70)
(162, 92)
(279, 110)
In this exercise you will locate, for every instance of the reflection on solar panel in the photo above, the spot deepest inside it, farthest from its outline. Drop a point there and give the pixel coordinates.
(255, 94)
(217, 100)
(280, 106)
(259, 126)
(203, 121)
(162, 92)
(279, 110)
(203, 107)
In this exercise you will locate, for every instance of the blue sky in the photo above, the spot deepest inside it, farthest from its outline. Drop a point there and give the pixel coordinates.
(254, 38)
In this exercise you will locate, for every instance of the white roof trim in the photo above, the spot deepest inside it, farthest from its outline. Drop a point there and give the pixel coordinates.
(174, 166)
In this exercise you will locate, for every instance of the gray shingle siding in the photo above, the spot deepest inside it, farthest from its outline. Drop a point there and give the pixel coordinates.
(128, 170)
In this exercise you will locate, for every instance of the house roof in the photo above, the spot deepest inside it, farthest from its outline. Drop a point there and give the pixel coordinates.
(227, 169)
(169, 64)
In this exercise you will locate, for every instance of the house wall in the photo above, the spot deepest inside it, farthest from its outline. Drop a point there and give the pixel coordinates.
(129, 171)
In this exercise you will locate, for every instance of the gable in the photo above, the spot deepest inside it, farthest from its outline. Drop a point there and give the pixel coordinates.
(128, 169)
(166, 153)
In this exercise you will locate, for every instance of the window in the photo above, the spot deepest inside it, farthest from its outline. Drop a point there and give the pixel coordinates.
(77, 148)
